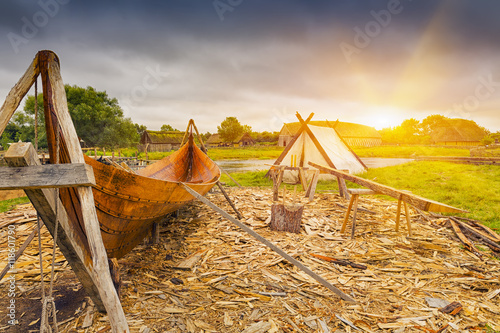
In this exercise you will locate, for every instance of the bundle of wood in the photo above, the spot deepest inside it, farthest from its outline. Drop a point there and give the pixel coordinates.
(206, 275)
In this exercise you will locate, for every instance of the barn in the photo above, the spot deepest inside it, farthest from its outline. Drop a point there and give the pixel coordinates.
(458, 132)
(160, 141)
(355, 135)
(243, 140)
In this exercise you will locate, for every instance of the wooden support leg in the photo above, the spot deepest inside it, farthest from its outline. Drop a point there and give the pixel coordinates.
(114, 270)
(398, 215)
(277, 175)
(347, 215)
(311, 189)
(355, 196)
(155, 233)
(302, 177)
(343, 188)
(408, 222)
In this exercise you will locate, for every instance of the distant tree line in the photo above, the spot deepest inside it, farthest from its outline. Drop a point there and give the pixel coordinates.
(231, 129)
(98, 120)
(412, 131)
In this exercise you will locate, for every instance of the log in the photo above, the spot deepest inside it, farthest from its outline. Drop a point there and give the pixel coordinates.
(286, 217)
(47, 176)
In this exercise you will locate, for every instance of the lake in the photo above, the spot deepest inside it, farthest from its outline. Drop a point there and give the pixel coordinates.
(254, 165)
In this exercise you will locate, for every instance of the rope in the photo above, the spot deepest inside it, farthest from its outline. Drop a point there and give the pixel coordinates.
(48, 304)
(36, 115)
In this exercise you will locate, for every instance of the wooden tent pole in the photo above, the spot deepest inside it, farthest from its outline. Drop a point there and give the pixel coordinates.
(290, 144)
(271, 245)
(344, 142)
(342, 187)
(17, 93)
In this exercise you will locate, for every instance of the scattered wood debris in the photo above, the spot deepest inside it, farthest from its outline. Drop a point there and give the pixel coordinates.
(229, 282)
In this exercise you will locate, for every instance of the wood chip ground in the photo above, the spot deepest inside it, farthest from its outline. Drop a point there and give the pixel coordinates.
(206, 275)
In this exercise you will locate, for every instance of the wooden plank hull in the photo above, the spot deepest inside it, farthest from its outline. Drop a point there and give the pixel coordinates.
(128, 204)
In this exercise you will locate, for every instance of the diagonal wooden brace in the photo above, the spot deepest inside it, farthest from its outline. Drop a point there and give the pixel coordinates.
(72, 242)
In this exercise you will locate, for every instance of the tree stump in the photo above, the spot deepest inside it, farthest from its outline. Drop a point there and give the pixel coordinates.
(286, 217)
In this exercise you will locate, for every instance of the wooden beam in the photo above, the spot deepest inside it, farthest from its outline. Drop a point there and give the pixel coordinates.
(46, 176)
(55, 100)
(70, 241)
(412, 199)
(271, 245)
(17, 94)
(18, 253)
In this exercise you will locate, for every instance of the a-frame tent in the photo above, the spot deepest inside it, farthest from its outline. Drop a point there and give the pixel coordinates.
(314, 144)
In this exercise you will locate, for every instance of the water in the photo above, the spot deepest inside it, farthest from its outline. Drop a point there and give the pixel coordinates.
(254, 165)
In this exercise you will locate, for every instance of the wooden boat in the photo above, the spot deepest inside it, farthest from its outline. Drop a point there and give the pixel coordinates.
(108, 219)
(128, 204)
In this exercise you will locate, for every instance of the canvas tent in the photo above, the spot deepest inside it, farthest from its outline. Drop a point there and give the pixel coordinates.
(321, 145)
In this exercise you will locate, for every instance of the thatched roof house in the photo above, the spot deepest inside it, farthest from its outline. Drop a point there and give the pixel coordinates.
(243, 140)
(160, 140)
(356, 135)
(458, 132)
(215, 141)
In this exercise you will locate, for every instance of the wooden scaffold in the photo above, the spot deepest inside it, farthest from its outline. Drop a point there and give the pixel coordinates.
(83, 249)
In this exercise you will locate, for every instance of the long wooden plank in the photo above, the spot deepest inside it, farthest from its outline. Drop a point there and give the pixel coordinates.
(17, 94)
(271, 245)
(46, 176)
(412, 199)
(99, 267)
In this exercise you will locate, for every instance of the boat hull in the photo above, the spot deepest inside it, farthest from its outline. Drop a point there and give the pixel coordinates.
(127, 204)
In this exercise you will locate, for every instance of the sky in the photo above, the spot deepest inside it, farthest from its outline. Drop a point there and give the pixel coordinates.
(375, 62)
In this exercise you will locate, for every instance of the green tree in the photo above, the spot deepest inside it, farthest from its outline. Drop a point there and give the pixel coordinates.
(140, 129)
(230, 129)
(11, 134)
(167, 128)
(98, 119)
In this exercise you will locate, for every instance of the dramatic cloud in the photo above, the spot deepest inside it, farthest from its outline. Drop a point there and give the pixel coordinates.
(376, 62)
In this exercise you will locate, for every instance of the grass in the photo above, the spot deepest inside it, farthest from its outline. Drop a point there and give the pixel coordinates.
(9, 204)
(409, 151)
(272, 152)
(475, 188)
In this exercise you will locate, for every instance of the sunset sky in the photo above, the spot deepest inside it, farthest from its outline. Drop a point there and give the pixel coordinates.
(370, 62)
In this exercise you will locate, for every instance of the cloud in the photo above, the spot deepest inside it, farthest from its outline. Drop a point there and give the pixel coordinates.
(265, 60)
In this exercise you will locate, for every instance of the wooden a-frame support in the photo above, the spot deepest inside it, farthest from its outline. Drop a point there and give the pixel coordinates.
(305, 128)
(86, 254)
